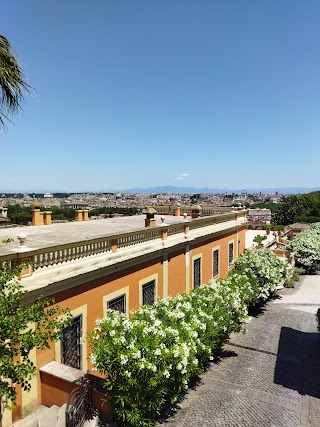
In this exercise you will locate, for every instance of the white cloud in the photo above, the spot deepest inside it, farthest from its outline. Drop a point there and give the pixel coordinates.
(179, 177)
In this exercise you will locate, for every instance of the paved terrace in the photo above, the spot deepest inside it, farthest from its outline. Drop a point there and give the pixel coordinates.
(42, 236)
(66, 254)
(269, 376)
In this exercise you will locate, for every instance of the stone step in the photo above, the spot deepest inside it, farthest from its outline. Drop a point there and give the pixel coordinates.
(32, 419)
(91, 423)
(62, 416)
(49, 418)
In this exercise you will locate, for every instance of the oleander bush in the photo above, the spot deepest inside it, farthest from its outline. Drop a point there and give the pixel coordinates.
(293, 276)
(150, 358)
(306, 247)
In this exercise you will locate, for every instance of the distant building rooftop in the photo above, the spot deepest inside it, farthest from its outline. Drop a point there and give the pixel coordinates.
(299, 226)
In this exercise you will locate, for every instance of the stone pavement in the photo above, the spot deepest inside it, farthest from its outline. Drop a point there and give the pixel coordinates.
(269, 376)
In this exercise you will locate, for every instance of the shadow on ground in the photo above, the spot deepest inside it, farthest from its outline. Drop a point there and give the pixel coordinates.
(297, 365)
(259, 308)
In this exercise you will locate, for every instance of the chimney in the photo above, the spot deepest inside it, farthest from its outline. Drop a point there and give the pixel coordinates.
(195, 211)
(150, 220)
(177, 211)
(37, 217)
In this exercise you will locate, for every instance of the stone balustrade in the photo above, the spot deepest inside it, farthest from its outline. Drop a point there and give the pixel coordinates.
(53, 255)
(205, 210)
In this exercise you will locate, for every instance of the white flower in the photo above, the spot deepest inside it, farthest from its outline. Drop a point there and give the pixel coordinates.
(166, 374)
(136, 355)
(123, 359)
(93, 359)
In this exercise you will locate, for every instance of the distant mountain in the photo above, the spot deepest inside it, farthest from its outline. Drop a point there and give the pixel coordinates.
(172, 189)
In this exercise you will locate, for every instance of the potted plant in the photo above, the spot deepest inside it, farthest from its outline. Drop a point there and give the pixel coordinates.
(259, 239)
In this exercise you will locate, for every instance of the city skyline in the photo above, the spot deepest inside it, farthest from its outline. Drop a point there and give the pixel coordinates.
(169, 190)
(133, 95)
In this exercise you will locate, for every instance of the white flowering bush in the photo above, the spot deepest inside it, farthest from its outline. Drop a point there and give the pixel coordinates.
(306, 246)
(149, 359)
(262, 271)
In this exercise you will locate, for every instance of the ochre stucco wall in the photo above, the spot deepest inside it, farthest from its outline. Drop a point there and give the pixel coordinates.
(178, 271)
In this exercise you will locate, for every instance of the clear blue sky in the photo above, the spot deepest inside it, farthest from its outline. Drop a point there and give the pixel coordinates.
(171, 92)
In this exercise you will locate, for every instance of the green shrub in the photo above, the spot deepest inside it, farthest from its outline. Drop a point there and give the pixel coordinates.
(149, 359)
(292, 277)
(306, 246)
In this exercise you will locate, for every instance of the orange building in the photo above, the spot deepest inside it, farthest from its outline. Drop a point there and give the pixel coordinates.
(116, 263)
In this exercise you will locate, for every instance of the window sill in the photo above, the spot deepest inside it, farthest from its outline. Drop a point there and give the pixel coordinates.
(64, 372)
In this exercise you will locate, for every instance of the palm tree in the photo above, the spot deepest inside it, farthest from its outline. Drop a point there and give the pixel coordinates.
(12, 82)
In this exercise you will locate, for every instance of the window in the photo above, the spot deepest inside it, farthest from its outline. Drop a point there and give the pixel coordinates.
(70, 343)
(118, 304)
(215, 263)
(197, 272)
(149, 293)
(230, 254)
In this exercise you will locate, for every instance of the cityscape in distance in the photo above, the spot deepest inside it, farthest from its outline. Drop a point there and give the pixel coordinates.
(171, 189)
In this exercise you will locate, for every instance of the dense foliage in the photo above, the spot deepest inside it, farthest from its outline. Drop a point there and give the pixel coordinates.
(19, 214)
(22, 328)
(150, 358)
(110, 211)
(295, 206)
(306, 246)
(272, 206)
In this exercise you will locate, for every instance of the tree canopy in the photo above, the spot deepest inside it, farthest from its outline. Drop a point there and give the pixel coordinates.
(23, 328)
(297, 208)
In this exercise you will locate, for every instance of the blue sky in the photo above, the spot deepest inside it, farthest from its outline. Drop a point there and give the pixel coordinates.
(174, 92)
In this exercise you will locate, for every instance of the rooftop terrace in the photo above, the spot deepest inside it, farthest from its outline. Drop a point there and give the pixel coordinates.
(57, 234)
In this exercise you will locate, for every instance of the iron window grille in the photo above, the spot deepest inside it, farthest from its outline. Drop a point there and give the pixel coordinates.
(197, 272)
(149, 293)
(215, 262)
(230, 253)
(71, 343)
(118, 304)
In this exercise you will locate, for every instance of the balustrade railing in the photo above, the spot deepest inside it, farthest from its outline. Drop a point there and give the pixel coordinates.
(205, 210)
(137, 237)
(54, 255)
(70, 251)
(175, 229)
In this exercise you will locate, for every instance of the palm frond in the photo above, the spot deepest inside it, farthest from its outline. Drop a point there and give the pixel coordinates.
(13, 82)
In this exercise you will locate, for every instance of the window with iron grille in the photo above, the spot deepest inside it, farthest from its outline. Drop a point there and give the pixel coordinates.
(118, 304)
(71, 344)
(197, 272)
(230, 253)
(149, 293)
(215, 263)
